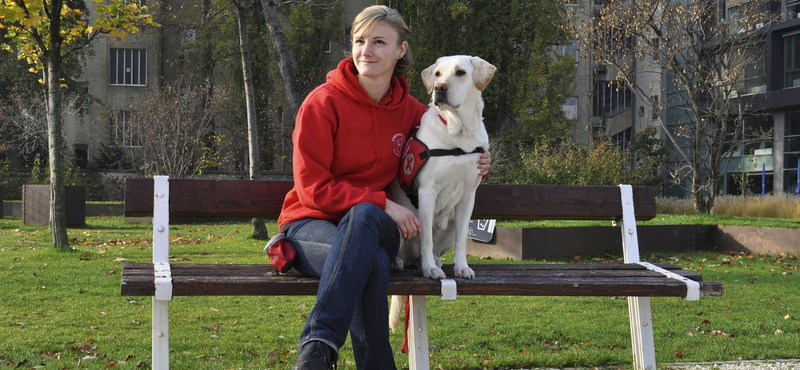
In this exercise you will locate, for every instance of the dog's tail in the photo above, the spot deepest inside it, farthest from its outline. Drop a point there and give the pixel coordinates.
(396, 311)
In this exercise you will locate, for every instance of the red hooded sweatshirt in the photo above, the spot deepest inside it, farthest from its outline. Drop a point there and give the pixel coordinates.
(347, 148)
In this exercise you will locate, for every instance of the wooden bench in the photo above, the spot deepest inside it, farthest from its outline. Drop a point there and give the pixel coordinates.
(162, 198)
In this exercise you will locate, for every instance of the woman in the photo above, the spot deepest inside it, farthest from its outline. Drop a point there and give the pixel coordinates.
(348, 139)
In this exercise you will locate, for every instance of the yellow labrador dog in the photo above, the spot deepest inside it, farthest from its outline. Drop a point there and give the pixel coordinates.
(439, 175)
(439, 166)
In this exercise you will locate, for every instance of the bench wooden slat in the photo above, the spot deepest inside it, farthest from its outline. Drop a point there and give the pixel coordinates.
(540, 280)
(255, 198)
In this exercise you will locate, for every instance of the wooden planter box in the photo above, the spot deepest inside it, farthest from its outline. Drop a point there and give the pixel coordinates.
(36, 205)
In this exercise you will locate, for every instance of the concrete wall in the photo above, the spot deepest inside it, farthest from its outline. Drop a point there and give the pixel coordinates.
(14, 209)
(567, 242)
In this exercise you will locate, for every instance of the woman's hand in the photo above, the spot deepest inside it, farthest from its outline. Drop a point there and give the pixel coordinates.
(485, 164)
(406, 221)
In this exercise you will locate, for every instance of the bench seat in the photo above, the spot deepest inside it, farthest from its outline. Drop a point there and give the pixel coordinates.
(491, 279)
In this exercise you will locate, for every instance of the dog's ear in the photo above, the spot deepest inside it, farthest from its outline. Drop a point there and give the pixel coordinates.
(482, 72)
(428, 78)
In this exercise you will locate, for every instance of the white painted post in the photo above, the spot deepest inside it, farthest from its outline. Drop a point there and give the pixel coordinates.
(418, 334)
(641, 320)
(160, 337)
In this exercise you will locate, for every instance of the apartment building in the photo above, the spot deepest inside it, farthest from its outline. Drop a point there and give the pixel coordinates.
(772, 88)
(121, 72)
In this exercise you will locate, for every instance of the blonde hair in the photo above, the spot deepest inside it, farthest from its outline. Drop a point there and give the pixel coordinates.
(380, 13)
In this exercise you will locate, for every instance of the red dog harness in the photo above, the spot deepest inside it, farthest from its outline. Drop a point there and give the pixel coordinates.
(415, 155)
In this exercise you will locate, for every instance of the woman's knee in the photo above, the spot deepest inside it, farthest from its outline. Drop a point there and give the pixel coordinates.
(367, 212)
(367, 216)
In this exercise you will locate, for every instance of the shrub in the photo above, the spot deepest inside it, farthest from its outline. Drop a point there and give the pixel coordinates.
(770, 206)
(562, 162)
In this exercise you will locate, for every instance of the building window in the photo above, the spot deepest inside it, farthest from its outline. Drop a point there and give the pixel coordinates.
(791, 150)
(792, 9)
(81, 155)
(123, 132)
(792, 60)
(570, 108)
(655, 109)
(128, 67)
(611, 98)
(571, 50)
(755, 74)
(623, 138)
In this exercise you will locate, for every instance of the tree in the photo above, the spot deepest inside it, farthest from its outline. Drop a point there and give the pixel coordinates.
(533, 79)
(44, 33)
(254, 169)
(292, 91)
(173, 127)
(682, 58)
(23, 120)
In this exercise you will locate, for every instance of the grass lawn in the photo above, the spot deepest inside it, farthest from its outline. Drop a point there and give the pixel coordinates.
(63, 310)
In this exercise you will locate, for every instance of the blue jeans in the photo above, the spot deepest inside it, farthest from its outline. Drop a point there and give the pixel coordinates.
(352, 260)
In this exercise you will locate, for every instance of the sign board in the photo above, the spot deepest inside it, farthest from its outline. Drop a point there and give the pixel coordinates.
(481, 230)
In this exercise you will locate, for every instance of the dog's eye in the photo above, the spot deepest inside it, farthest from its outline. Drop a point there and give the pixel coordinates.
(460, 72)
(437, 74)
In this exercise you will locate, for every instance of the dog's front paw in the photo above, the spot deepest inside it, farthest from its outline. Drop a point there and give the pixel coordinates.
(434, 273)
(464, 273)
(398, 264)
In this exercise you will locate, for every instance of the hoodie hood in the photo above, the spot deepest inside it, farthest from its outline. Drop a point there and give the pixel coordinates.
(345, 78)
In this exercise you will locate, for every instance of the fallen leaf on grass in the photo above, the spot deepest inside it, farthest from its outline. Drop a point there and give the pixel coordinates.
(51, 355)
(86, 348)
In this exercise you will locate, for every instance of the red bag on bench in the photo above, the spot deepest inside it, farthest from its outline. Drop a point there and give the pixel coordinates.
(281, 253)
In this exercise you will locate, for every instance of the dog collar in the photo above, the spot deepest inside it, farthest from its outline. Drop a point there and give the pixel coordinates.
(442, 119)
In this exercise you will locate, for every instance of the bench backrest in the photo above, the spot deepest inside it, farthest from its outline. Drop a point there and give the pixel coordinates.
(264, 198)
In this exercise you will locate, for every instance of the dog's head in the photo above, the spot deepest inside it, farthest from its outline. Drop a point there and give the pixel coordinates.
(451, 79)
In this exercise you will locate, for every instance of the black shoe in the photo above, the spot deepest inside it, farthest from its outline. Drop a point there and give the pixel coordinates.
(315, 355)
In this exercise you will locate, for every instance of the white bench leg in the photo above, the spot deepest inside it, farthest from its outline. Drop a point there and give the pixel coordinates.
(642, 343)
(160, 341)
(160, 335)
(418, 334)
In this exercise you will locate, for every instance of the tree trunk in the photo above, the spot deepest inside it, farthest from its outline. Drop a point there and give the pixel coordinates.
(287, 74)
(55, 144)
(259, 228)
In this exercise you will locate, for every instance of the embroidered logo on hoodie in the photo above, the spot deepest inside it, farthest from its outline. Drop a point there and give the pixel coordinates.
(398, 143)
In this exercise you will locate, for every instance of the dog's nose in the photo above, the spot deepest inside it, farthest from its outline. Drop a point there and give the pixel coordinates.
(440, 87)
